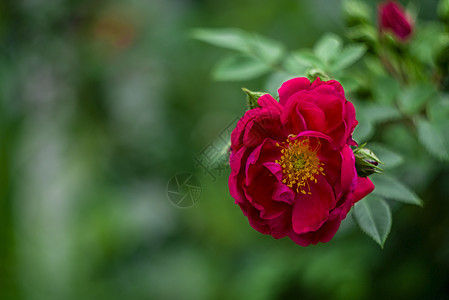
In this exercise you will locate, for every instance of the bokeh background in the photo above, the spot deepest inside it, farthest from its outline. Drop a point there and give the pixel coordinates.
(102, 102)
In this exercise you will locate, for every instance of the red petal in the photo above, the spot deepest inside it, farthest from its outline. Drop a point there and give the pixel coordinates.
(267, 101)
(275, 169)
(259, 194)
(292, 86)
(324, 234)
(348, 172)
(311, 211)
(236, 177)
(283, 193)
(292, 120)
(280, 226)
(313, 116)
(265, 153)
(363, 188)
(263, 125)
(334, 114)
(239, 130)
(337, 88)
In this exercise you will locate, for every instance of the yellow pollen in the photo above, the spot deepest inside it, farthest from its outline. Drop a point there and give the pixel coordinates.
(300, 164)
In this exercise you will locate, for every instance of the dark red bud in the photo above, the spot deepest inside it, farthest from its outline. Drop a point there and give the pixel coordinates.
(393, 18)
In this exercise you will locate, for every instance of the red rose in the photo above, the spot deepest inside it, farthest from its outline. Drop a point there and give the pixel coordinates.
(292, 170)
(393, 18)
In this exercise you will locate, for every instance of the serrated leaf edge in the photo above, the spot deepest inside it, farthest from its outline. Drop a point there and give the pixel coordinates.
(380, 242)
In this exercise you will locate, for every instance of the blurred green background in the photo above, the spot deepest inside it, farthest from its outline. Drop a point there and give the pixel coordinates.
(102, 102)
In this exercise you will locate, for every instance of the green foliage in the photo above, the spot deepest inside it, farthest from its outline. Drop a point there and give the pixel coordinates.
(356, 12)
(258, 53)
(390, 188)
(372, 213)
(386, 90)
(363, 33)
(349, 55)
(240, 67)
(328, 56)
(370, 116)
(380, 113)
(431, 138)
(229, 38)
(373, 216)
(438, 110)
(443, 10)
(428, 41)
(390, 158)
(300, 60)
(328, 47)
(413, 99)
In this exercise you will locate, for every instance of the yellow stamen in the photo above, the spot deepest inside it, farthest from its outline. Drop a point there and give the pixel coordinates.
(300, 163)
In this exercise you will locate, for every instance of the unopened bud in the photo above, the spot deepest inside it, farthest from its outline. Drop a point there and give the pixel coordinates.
(395, 19)
(366, 162)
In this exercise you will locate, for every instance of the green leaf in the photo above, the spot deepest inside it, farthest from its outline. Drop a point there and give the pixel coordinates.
(443, 9)
(294, 65)
(364, 130)
(239, 67)
(251, 44)
(365, 33)
(390, 188)
(328, 47)
(414, 98)
(380, 113)
(431, 138)
(371, 114)
(349, 83)
(229, 38)
(265, 48)
(385, 90)
(347, 57)
(373, 216)
(428, 40)
(374, 66)
(303, 59)
(388, 157)
(439, 110)
(356, 12)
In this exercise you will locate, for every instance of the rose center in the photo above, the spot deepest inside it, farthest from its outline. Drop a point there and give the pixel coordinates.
(300, 164)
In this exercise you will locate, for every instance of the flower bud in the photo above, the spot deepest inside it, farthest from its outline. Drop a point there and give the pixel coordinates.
(366, 162)
(393, 18)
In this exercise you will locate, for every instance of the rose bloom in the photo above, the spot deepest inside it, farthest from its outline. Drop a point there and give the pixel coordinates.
(292, 169)
(393, 18)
